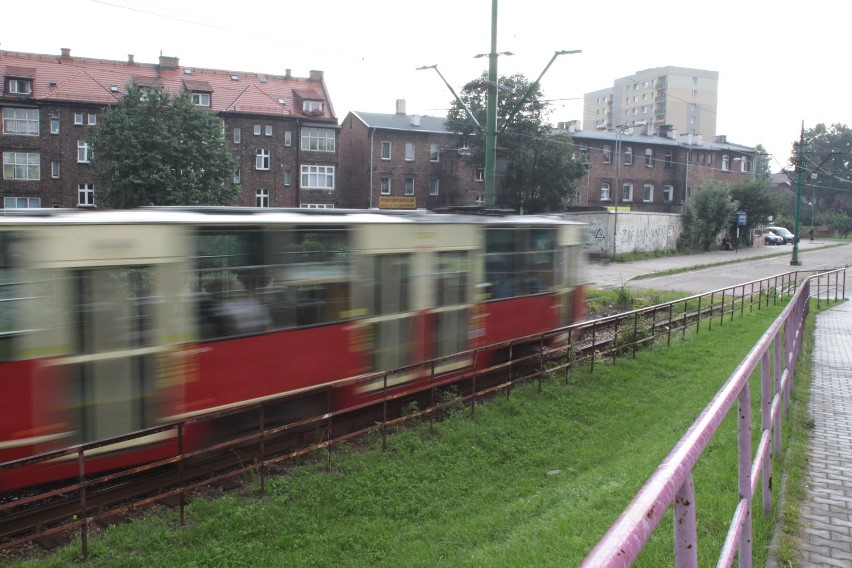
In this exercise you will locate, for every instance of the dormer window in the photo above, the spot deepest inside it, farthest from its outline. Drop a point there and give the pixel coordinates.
(312, 107)
(201, 99)
(19, 86)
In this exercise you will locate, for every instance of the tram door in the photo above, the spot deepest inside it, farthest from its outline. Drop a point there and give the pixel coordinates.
(391, 307)
(113, 364)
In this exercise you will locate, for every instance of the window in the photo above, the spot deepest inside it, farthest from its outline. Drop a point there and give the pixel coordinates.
(627, 192)
(20, 87)
(434, 186)
(409, 186)
(318, 139)
(694, 93)
(316, 205)
(605, 191)
(22, 121)
(628, 155)
(386, 150)
(648, 193)
(649, 157)
(312, 107)
(709, 159)
(54, 169)
(54, 126)
(85, 195)
(318, 177)
(607, 154)
(726, 163)
(78, 118)
(261, 160)
(262, 198)
(201, 99)
(669, 160)
(84, 152)
(238, 135)
(92, 119)
(237, 175)
(668, 193)
(267, 130)
(21, 202)
(409, 151)
(434, 153)
(480, 174)
(257, 130)
(288, 138)
(745, 165)
(385, 186)
(288, 177)
(21, 166)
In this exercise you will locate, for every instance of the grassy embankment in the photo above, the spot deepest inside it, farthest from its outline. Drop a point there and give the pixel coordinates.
(532, 480)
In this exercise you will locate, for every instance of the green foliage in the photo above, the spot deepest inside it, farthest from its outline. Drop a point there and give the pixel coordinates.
(826, 165)
(152, 148)
(841, 223)
(536, 172)
(708, 212)
(753, 197)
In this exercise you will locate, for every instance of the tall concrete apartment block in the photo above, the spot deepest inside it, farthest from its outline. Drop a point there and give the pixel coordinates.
(669, 99)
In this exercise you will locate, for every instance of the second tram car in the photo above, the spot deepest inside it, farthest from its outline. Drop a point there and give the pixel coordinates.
(112, 322)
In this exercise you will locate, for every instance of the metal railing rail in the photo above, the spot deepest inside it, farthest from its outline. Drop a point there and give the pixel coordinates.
(671, 485)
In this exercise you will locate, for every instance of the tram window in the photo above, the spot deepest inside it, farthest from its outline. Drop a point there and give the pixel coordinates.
(451, 279)
(251, 281)
(519, 261)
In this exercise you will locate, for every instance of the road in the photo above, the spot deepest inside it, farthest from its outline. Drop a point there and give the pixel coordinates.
(720, 269)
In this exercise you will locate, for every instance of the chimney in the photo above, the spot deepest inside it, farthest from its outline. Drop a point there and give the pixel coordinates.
(400, 106)
(130, 58)
(287, 73)
(316, 75)
(415, 120)
(169, 62)
(66, 52)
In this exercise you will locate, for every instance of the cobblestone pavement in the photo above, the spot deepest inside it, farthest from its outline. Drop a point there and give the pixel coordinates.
(827, 510)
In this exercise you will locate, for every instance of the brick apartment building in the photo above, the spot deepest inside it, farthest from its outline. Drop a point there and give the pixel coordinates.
(654, 173)
(402, 161)
(282, 129)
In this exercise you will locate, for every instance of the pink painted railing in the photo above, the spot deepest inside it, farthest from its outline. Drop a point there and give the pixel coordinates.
(671, 485)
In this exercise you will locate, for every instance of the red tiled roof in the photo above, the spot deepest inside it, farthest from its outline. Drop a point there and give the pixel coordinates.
(94, 80)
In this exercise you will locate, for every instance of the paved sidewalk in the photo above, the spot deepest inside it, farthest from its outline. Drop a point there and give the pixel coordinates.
(827, 510)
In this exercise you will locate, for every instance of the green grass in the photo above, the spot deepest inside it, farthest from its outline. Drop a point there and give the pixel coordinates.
(534, 479)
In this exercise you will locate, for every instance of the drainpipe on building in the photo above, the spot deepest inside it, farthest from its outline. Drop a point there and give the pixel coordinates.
(372, 136)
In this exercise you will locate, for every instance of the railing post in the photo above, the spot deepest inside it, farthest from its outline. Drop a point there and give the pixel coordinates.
(262, 471)
(766, 395)
(777, 373)
(84, 527)
(685, 534)
(744, 467)
(182, 499)
(669, 331)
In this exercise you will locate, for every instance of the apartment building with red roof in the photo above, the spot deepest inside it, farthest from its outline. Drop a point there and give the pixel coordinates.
(282, 129)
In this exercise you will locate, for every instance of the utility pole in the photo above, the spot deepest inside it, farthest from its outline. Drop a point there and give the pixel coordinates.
(800, 159)
(491, 115)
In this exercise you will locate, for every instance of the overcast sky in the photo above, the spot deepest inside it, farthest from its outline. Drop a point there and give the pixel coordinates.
(780, 64)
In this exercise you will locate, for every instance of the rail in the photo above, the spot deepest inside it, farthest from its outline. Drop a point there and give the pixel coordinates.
(671, 485)
(541, 355)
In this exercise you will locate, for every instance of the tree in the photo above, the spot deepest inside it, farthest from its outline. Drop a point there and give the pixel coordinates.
(826, 165)
(753, 197)
(705, 215)
(155, 149)
(536, 171)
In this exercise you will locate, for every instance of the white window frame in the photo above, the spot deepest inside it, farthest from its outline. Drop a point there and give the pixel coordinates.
(386, 155)
(668, 158)
(201, 99)
(288, 177)
(409, 186)
(85, 194)
(409, 151)
(92, 119)
(84, 152)
(238, 135)
(54, 126)
(434, 186)
(726, 163)
(20, 121)
(648, 193)
(262, 198)
(668, 193)
(257, 130)
(55, 169)
(627, 192)
(649, 157)
(434, 153)
(288, 137)
(311, 106)
(78, 119)
(385, 185)
(21, 202)
(267, 130)
(238, 175)
(607, 153)
(605, 191)
(317, 177)
(19, 86)
(262, 159)
(628, 155)
(23, 166)
(479, 175)
(318, 139)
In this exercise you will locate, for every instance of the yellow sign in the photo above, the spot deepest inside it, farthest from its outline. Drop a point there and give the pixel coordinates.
(396, 202)
(621, 208)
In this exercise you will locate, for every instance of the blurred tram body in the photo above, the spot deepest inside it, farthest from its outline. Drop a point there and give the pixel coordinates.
(112, 322)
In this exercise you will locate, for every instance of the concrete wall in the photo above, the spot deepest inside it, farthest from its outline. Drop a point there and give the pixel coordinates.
(636, 232)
